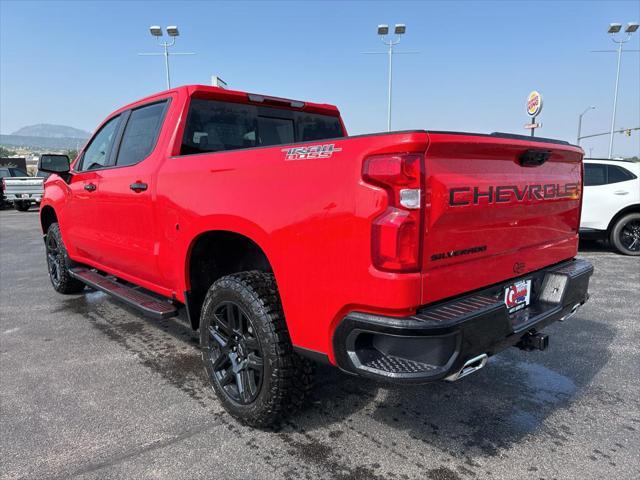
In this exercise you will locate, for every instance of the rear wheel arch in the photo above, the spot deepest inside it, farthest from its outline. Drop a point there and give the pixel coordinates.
(214, 254)
(635, 208)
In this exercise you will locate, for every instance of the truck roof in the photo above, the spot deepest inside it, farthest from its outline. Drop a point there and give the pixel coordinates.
(239, 96)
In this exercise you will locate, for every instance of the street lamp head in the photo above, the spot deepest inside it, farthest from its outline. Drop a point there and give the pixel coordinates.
(172, 31)
(383, 29)
(614, 27)
(400, 29)
(155, 30)
(631, 27)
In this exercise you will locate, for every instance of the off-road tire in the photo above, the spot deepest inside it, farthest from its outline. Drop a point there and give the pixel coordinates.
(58, 263)
(626, 225)
(286, 377)
(21, 206)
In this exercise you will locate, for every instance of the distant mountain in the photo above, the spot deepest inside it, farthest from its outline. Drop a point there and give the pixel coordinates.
(51, 131)
(64, 143)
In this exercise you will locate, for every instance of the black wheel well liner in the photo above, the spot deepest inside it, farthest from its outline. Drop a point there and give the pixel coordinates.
(635, 208)
(213, 255)
(47, 217)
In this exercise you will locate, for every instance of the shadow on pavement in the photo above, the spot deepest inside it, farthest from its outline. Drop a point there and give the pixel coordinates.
(594, 246)
(478, 416)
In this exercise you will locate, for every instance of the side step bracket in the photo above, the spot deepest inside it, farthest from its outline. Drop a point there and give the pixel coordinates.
(148, 304)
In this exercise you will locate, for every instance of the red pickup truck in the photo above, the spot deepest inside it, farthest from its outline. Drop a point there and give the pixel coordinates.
(407, 256)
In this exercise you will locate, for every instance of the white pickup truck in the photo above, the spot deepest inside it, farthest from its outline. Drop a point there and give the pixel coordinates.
(24, 191)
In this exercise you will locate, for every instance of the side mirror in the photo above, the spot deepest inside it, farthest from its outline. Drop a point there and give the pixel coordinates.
(51, 163)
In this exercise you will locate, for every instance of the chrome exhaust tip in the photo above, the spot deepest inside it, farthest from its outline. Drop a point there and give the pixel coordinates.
(573, 311)
(469, 367)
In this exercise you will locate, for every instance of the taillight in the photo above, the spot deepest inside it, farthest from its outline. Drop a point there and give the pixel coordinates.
(396, 233)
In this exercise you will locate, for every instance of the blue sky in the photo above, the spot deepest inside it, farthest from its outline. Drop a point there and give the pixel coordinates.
(74, 62)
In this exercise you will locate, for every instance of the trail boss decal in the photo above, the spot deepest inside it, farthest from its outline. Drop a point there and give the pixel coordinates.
(311, 152)
(506, 193)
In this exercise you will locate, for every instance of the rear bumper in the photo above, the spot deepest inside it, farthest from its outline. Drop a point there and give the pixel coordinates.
(440, 339)
(31, 197)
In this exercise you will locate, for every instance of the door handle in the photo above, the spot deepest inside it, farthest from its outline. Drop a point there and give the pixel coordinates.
(90, 187)
(138, 187)
(620, 192)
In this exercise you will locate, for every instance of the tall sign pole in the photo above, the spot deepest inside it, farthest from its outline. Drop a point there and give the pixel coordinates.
(534, 107)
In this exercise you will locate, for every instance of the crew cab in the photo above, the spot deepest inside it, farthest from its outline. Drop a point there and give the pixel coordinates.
(408, 256)
(611, 207)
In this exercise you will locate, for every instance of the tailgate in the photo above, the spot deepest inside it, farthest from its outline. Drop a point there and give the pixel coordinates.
(23, 185)
(497, 207)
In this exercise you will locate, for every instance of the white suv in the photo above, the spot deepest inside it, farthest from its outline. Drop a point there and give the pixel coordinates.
(611, 203)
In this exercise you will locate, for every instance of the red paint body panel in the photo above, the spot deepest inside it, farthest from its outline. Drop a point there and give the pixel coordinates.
(313, 218)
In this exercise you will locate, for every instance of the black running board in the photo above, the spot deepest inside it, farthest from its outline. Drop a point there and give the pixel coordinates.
(147, 304)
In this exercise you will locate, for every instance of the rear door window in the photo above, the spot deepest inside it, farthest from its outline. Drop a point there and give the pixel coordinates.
(214, 126)
(595, 174)
(140, 134)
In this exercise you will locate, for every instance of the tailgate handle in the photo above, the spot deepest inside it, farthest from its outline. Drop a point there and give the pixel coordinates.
(534, 158)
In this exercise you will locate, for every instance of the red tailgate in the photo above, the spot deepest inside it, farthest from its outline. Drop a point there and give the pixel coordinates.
(496, 208)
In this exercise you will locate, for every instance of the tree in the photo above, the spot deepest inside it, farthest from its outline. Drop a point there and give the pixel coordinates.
(6, 153)
(72, 154)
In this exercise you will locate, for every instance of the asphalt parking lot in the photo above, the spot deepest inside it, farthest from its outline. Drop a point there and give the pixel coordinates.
(89, 389)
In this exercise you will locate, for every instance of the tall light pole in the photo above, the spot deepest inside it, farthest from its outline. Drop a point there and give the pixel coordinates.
(580, 122)
(173, 32)
(614, 28)
(390, 42)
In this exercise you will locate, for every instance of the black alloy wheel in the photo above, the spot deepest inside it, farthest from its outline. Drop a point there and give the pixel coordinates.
(630, 236)
(54, 260)
(58, 263)
(625, 234)
(247, 352)
(235, 353)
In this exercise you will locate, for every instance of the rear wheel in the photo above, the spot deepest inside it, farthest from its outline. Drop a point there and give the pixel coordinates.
(58, 263)
(625, 234)
(247, 352)
(21, 206)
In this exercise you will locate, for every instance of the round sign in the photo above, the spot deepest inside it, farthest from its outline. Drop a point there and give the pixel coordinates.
(534, 103)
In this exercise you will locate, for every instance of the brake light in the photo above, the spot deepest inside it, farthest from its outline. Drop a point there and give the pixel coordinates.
(395, 237)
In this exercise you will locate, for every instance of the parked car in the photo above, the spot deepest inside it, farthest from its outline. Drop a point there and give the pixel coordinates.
(611, 204)
(25, 191)
(404, 256)
(7, 173)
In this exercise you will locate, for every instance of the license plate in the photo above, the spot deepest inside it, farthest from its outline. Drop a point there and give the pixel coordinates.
(517, 296)
(24, 195)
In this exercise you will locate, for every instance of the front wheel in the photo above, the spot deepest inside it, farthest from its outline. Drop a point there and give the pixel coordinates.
(625, 234)
(247, 352)
(58, 263)
(21, 206)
